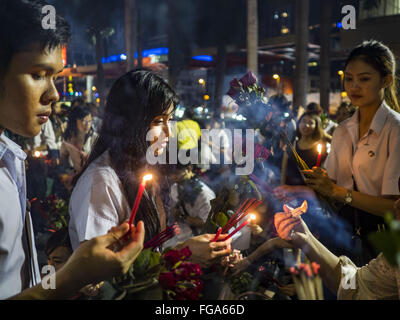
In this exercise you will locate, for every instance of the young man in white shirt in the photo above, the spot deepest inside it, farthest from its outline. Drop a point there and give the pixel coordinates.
(30, 59)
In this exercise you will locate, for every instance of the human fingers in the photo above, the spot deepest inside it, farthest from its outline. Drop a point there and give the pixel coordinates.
(280, 216)
(285, 232)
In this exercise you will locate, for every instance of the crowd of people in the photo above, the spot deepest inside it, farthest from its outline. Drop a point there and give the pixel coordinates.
(80, 168)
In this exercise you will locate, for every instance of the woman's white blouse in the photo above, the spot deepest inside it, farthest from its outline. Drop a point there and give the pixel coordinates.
(373, 160)
(97, 202)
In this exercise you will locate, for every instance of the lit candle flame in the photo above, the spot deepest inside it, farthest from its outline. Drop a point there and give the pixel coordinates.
(37, 154)
(147, 177)
(319, 148)
(252, 217)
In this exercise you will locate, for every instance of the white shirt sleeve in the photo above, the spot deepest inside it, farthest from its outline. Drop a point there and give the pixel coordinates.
(331, 161)
(97, 204)
(391, 174)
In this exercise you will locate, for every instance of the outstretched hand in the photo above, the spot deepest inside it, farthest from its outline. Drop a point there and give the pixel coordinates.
(104, 257)
(290, 228)
(205, 252)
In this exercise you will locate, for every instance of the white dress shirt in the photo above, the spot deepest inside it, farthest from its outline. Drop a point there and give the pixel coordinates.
(373, 160)
(97, 202)
(45, 137)
(13, 239)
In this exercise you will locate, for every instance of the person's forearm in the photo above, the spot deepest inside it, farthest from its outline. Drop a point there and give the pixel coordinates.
(378, 206)
(262, 250)
(330, 270)
(66, 286)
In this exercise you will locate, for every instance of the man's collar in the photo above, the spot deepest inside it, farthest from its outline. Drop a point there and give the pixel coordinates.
(8, 144)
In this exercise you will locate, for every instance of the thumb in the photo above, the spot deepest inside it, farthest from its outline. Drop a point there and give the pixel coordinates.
(286, 209)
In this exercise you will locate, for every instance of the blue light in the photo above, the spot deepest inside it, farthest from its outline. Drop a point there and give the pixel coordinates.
(339, 25)
(154, 52)
(203, 58)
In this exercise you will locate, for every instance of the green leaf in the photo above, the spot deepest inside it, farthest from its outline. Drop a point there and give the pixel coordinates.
(154, 259)
(389, 244)
(142, 262)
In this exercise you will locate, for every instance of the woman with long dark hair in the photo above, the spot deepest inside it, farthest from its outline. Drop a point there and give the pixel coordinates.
(78, 138)
(105, 191)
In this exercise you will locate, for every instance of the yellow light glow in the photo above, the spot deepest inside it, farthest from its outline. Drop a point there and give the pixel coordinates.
(285, 30)
(340, 72)
(319, 148)
(94, 88)
(37, 154)
(206, 97)
(201, 81)
(147, 177)
(344, 94)
(252, 217)
(275, 76)
(284, 14)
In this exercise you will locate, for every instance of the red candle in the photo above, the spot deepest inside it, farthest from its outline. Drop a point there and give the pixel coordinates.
(139, 197)
(252, 217)
(217, 234)
(319, 155)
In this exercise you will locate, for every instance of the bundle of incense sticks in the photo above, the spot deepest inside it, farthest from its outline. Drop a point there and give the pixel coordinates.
(162, 237)
(299, 160)
(307, 281)
(299, 210)
(246, 207)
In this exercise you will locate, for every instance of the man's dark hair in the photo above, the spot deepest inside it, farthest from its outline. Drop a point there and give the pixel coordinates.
(21, 27)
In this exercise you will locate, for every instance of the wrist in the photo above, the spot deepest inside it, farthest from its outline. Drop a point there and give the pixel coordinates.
(339, 194)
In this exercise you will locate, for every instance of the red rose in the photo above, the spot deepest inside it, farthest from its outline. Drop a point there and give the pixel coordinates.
(182, 273)
(193, 269)
(232, 93)
(172, 257)
(248, 79)
(167, 280)
(185, 253)
(261, 152)
(235, 84)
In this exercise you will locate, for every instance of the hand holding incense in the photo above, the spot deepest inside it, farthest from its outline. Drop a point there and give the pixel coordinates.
(217, 234)
(245, 223)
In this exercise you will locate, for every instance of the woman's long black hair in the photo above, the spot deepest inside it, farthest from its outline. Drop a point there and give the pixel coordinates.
(135, 99)
(77, 113)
